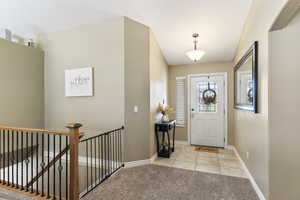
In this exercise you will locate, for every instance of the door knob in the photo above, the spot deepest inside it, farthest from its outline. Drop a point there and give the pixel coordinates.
(193, 109)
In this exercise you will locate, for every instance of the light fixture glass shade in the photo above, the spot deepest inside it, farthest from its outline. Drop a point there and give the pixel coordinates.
(195, 55)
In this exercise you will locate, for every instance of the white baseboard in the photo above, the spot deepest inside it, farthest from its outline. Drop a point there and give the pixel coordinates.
(141, 162)
(82, 160)
(255, 186)
(184, 142)
(153, 158)
(137, 163)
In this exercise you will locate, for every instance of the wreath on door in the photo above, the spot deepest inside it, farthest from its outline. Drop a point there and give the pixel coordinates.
(209, 96)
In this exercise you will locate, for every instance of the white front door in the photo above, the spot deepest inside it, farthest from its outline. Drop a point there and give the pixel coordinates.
(207, 121)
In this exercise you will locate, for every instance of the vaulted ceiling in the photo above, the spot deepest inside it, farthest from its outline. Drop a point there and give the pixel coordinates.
(219, 23)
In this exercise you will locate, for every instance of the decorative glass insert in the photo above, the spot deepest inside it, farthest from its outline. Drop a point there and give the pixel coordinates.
(201, 106)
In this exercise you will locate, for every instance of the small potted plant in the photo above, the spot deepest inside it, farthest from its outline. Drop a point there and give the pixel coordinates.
(164, 110)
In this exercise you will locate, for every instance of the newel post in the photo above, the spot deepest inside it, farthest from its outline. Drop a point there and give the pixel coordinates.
(74, 139)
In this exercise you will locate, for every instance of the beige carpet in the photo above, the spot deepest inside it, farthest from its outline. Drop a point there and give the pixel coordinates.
(152, 182)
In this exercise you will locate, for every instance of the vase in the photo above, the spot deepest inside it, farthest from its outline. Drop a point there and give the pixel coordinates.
(164, 118)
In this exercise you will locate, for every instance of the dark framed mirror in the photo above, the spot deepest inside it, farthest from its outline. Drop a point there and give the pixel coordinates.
(246, 80)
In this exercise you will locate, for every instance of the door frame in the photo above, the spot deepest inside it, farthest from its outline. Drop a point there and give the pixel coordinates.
(189, 77)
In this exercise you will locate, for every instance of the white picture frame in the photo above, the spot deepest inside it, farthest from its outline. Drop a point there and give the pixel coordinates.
(79, 82)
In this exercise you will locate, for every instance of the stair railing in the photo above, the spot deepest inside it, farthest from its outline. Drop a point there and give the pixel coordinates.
(43, 163)
(102, 156)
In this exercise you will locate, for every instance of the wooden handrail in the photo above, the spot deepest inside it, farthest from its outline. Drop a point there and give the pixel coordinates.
(38, 131)
(30, 130)
(73, 136)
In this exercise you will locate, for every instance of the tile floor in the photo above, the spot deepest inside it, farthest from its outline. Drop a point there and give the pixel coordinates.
(186, 157)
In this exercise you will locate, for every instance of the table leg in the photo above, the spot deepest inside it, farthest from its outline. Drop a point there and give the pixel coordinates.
(169, 145)
(173, 149)
(163, 141)
(157, 140)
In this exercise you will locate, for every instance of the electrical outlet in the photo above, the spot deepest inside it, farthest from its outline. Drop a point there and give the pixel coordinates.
(247, 155)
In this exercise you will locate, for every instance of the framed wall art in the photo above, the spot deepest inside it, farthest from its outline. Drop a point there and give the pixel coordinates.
(79, 82)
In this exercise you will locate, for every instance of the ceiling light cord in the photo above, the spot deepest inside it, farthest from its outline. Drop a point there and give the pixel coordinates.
(195, 36)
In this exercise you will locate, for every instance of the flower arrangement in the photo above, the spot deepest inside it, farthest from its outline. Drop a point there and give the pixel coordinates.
(164, 110)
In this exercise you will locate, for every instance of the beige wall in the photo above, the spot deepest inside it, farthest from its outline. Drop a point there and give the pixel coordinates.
(21, 85)
(184, 70)
(285, 112)
(158, 85)
(100, 46)
(121, 51)
(137, 90)
(251, 130)
(146, 79)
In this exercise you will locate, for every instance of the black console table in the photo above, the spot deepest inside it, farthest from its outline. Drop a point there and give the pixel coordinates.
(164, 148)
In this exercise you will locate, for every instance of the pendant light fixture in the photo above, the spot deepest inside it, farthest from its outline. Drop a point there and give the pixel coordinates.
(195, 54)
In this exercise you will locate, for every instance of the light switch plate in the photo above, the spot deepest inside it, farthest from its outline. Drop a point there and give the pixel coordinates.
(135, 109)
